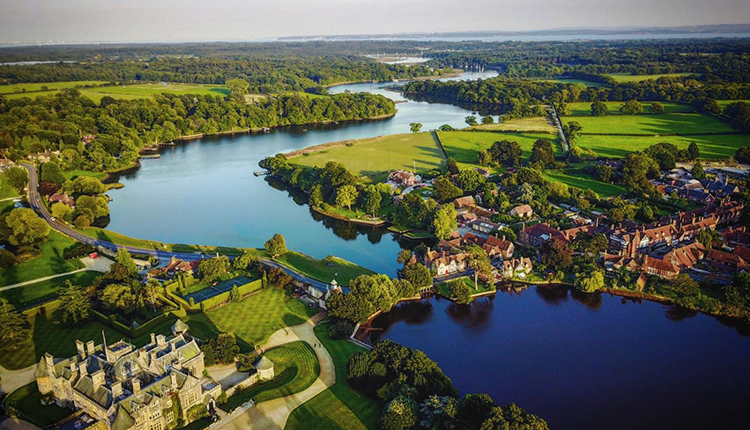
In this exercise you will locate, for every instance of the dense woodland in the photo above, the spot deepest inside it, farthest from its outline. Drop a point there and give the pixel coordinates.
(119, 128)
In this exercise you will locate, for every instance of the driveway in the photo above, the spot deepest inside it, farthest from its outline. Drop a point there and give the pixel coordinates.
(10, 380)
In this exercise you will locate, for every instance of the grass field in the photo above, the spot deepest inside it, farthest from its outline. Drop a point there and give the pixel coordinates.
(255, 318)
(51, 262)
(527, 125)
(72, 174)
(295, 368)
(324, 270)
(443, 288)
(6, 191)
(583, 181)
(464, 145)
(27, 400)
(340, 407)
(584, 108)
(627, 77)
(45, 290)
(372, 158)
(48, 335)
(574, 81)
(711, 146)
(682, 123)
(725, 103)
(127, 92)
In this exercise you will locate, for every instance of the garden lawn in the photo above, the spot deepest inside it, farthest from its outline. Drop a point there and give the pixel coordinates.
(442, 288)
(465, 145)
(373, 158)
(678, 123)
(323, 270)
(6, 191)
(72, 174)
(50, 262)
(255, 318)
(711, 146)
(27, 401)
(340, 406)
(627, 77)
(48, 335)
(583, 181)
(613, 108)
(296, 367)
(526, 125)
(46, 290)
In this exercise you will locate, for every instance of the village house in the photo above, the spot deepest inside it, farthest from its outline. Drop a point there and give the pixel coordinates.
(404, 178)
(5, 164)
(656, 267)
(523, 211)
(538, 234)
(62, 198)
(516, 268)
(736, 236)
(726, 262)
(486, 227)
(125, 387)
(443, 263)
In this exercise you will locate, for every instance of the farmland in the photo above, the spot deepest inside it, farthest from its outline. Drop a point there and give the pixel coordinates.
(590, 84)
(373, 158)
(651, 125)
(584, 108)
(92, 90)
(627, 77)
(711, 146)
(583, 181)
(526, 125)
(464, 145)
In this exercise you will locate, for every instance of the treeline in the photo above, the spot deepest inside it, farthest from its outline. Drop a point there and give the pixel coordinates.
(265, 75)
(417, 394)
(108, 136)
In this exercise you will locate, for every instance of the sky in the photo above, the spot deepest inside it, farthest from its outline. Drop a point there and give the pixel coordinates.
(76, 21)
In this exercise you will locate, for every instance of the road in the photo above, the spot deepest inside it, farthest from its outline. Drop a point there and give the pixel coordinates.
(563, 140)
(35, 201)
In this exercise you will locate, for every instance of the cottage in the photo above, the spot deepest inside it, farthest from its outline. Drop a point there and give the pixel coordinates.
(660, 268)
(523, 211)
(445, 264)
(517, 267)
(486, 227)
(464, 202)
(404, 177)
(538, 234)
(62, 198)
(496, 247)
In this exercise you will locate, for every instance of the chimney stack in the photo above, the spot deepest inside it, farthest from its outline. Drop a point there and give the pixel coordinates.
(49, 360)
(161, 340)
(136, 384)
(90, 347)
(173, 377)
(80, 349)
(98, 378)
(116, 389)
(153, 338)
(73, 367)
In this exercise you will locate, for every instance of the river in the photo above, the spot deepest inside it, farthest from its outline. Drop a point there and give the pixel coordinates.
(585, 361)
(204, 191)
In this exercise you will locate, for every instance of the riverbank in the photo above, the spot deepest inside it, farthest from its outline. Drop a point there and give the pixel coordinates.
(380, 223)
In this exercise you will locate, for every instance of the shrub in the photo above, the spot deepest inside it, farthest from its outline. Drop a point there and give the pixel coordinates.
(7, 259)
(340, 330)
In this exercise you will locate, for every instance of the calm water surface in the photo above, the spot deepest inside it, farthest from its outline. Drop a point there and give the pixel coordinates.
(585, 361)
(204, 191)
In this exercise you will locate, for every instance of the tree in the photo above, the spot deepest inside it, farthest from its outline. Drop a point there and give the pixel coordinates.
(25, 227)
(631, 107)
(506, 153)
(403, 256)
(276, 246)
(82, 221)
(96, 206)
(637, 169)
(743, 155)
(373, 198)
(221, 350)
(697, 171)
(7, 259)
(74, 304)
(542, 152)
(417, 274)
(84, 185)
(663, 153)
(470, 180)
(598, 108)
(235, 295)
(572, 130)
(488, 119)
(589, 282)
(444, 190)
(708, 237)
(693, 152)
(123, 257)
(656, 108)
(685, 285)
(17, 178)
(346, 195)
(415, 127)
(445, 221)
(484, 158)
(513, 417)
(51, 173)
(399, 414)
(13, 326)
(459, 291)
(471, 120)
(480, 263)
(62, 211)
(452, 166)
(556, 254)
(118, 297)
(152, 292)
(211, 269)
(244, 260)
(238, 88)
(316, 195)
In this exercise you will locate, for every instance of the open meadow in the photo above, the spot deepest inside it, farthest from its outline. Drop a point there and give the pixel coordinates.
(627, 77)
(651, 125)
(584, 108)
(583, 181)
(373, 158)
(711, 146)
(536, 124)
(92, 90)
(464, 145)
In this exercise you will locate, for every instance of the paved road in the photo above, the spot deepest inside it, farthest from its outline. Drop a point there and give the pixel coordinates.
(273, 414)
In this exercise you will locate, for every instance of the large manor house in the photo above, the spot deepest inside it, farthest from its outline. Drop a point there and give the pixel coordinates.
(125, 387)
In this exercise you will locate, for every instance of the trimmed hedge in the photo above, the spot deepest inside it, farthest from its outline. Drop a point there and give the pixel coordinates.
(212, 302)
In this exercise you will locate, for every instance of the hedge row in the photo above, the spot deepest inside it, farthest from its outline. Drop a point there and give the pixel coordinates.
(212, 302)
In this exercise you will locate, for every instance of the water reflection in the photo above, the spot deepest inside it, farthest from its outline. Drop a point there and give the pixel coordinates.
(475, 316)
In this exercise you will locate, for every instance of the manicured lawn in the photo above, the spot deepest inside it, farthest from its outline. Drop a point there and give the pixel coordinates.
(255, 318)
(527, 125)
(465, 145)
(442, 288)
(627, 77)
(49, 335)
(682, 123)
(324, 270)
(27, 400)
(52, 86)
(51, 262)
(613, 108)
(584, 182)
(46, 290)
(372, 158)
(340, 406)
(711, 146)
(72, 174)
(295, 368)
(6, 190)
